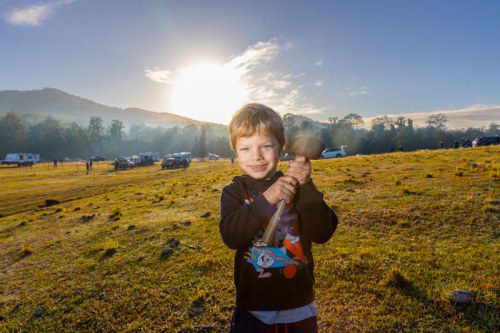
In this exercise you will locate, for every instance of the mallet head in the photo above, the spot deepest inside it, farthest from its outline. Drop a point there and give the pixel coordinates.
(306, 146)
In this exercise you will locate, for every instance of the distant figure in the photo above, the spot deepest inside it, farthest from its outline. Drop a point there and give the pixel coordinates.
(441, 144)
(55, 163)
(401, 148)
(87, 167)
(90, 165)
(456, 144)
(232, 161)
(116, 165)
(392, 149)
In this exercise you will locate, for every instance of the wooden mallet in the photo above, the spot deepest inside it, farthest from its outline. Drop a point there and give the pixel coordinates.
(309, 147)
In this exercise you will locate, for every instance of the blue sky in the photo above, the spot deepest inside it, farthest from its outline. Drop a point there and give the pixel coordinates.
(322, 58)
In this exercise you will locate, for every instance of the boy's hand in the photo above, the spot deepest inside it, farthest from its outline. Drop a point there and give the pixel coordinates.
(300, 169)
(282, 189)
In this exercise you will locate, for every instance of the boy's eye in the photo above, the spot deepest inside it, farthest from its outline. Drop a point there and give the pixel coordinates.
(267, 146)
(243, 149)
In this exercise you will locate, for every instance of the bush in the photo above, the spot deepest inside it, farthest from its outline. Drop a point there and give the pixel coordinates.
(51, 202)
(116, 215)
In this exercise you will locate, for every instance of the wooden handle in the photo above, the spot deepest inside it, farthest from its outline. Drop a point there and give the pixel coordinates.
(272, 227)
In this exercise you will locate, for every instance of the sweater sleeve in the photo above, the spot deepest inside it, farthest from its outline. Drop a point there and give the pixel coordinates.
(240, 221)
(318, 220)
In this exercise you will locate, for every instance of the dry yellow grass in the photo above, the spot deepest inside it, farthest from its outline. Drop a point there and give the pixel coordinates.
(94, 261)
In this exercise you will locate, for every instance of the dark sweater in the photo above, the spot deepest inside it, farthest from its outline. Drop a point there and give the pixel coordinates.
(278, 277)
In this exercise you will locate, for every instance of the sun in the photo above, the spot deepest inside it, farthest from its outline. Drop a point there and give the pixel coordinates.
(208, 92)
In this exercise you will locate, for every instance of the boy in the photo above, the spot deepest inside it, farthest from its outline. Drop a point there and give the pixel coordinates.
(274, 284)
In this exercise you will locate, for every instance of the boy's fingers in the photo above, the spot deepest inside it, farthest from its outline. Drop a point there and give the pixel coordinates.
(289, 180)
(300, 159)
(290, 188)
(285, 195)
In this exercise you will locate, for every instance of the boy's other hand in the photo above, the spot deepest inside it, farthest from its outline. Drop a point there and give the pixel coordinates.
(300, 169)
(282, 189)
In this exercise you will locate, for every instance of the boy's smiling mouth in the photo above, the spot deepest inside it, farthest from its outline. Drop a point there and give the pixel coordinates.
(259, 167)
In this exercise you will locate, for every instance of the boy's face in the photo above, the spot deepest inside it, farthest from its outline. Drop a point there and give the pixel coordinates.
(258, 155)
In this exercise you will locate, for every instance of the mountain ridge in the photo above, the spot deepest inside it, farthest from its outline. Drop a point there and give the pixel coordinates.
(69, 107)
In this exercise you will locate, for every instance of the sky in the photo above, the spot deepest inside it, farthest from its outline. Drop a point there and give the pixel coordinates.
(203, 59)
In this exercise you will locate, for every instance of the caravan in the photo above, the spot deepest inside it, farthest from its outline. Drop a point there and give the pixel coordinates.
(21, 159)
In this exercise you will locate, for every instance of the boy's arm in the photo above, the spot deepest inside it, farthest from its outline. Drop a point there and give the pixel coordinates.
(318, 220)
(239, 221)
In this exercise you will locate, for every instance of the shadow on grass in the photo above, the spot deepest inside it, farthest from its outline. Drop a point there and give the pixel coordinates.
(108, 254)
(477, 314)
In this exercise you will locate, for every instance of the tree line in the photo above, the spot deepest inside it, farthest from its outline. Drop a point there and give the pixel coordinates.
(55, 139)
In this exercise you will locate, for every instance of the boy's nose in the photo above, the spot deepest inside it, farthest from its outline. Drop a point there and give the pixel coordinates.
(256, 154)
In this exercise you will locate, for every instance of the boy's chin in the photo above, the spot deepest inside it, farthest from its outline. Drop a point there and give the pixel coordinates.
(261, 175)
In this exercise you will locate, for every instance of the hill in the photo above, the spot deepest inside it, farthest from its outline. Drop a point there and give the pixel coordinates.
(84, 253)
(59, 104)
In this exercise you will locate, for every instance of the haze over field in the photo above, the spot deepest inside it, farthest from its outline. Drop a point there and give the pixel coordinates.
(202, 60)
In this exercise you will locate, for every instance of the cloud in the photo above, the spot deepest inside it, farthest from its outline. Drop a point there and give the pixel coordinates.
(353, 93)
(473, 116)
(256, 55)
(319, 63)
(159, 75)
(318, 83)
(33, 15)
(265, 84)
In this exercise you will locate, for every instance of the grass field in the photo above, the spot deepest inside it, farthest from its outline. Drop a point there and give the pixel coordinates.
(413, 227)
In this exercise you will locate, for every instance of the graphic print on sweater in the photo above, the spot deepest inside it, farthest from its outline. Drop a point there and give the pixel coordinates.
(284, 259)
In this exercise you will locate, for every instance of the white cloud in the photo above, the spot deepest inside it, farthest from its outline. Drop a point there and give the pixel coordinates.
(473, 116)
(33, 15)
(318, 83)
(256, 55)
(281, 91)
(319, 63)
(353, 93)
(159, 75)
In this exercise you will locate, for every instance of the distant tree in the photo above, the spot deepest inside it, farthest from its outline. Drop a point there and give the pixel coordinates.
(354, 120)
(96, 130)
(12, 132)
(306, 127)
(437, 121)
(200, 147)
(220, 146)
(115, 131)
(493, 130)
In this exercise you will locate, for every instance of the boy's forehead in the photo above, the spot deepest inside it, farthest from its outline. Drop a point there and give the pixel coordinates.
(256, 138)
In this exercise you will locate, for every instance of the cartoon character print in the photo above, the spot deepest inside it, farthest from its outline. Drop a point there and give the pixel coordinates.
(285, 258)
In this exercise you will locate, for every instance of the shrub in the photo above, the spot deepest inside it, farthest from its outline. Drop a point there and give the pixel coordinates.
(26, 250)
(51, 202)
(116, 215)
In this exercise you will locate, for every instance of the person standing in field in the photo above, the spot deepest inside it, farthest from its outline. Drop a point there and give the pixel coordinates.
(274, 283)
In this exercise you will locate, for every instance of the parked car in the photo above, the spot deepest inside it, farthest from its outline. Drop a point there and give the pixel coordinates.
(486, 141)
(97, 158)
(20, 159)
(123, 163)
(334, 153)
(211, 156)
(176, 160)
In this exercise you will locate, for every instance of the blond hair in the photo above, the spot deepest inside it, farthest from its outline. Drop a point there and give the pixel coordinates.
(256, 118)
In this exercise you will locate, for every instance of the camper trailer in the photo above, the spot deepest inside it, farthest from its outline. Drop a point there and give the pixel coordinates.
(21, 159)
